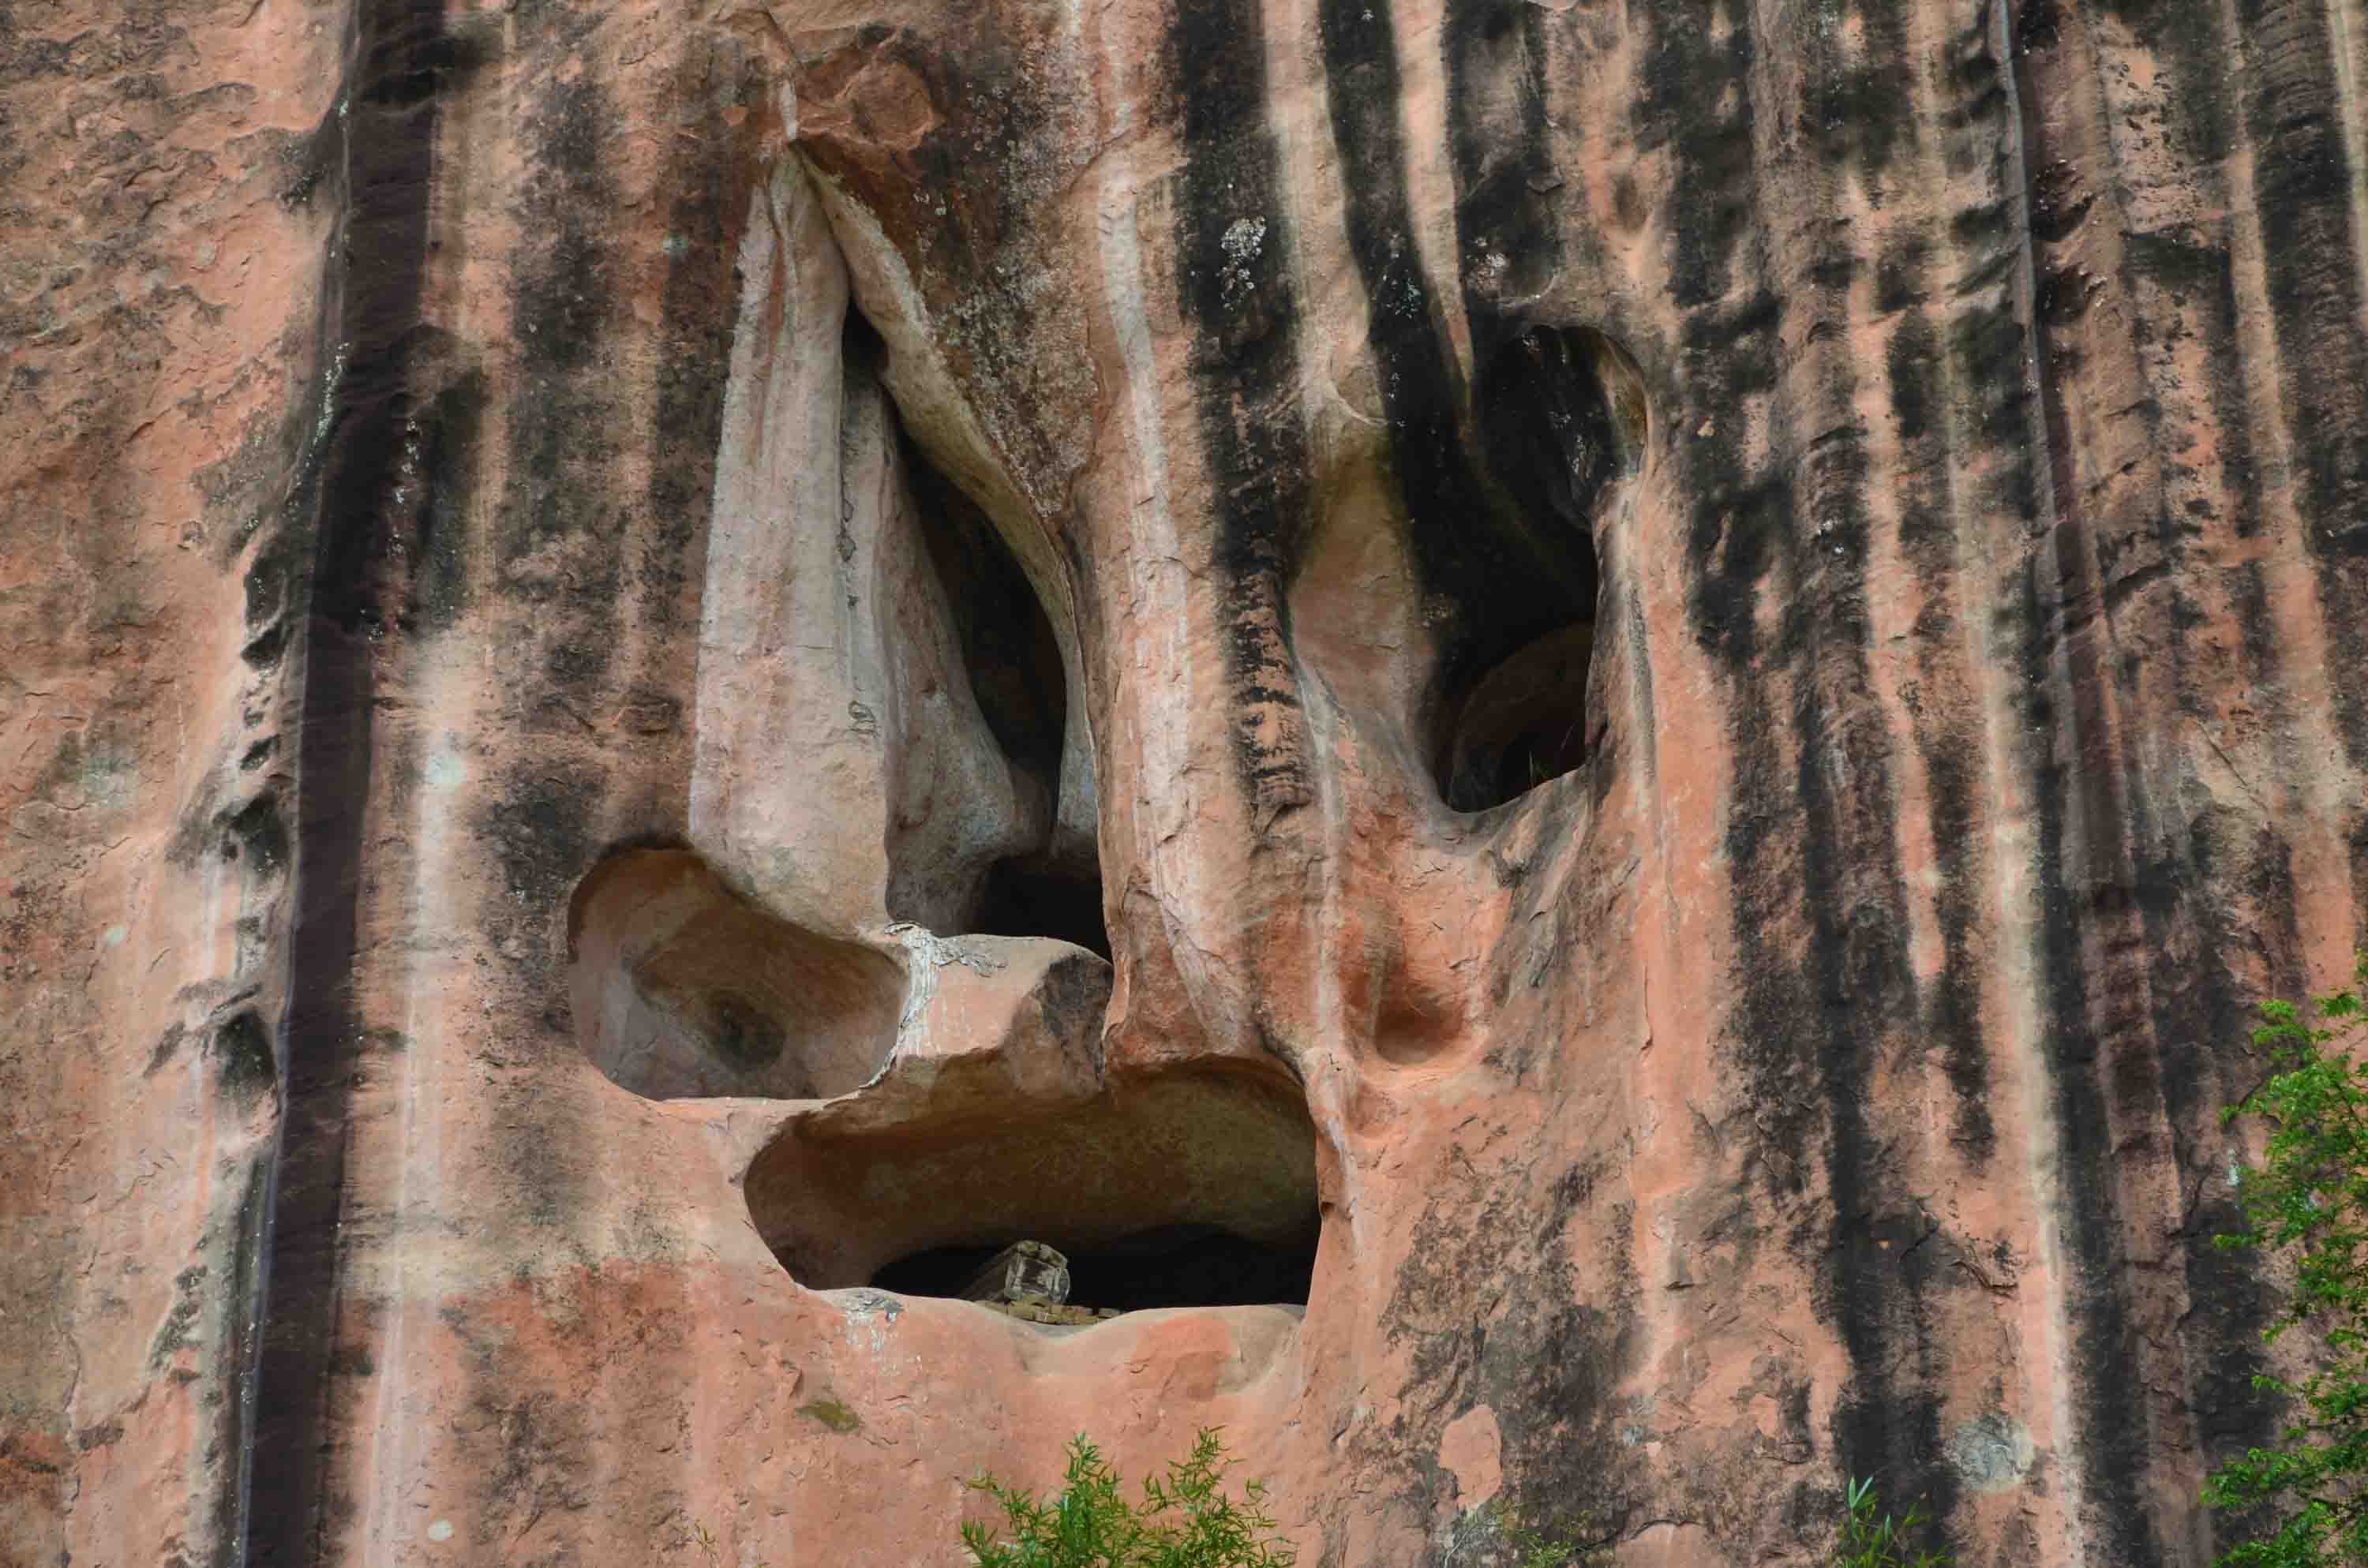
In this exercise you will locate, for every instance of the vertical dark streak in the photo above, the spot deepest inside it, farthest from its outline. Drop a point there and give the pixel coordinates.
(2304, 195)
(1953, 772)
(2115, 1447)
(1503, 164)
(378, 144)
(2103, 1071)
(244, 1305)
(1241, 304)
(1515, 571)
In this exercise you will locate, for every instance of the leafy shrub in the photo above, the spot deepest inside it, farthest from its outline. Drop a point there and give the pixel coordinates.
(1184, 1521)
(1866, 1538)
(2304, 1497)
(1535, 1548)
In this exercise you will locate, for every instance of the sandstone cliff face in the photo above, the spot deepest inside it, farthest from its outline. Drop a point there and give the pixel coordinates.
(1573, 731)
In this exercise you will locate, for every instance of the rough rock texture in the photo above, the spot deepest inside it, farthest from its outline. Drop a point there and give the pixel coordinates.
(1649, 679)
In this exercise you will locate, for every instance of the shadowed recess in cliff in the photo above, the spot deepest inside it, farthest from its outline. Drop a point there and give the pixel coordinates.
(1186, 1189)
(1175, 1266)
(682, 989)
(1561, 415)
(1499, 483)
(1450, 608)
(1012, 660)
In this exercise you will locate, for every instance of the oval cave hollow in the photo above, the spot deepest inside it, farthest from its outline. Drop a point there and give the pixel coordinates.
(1563, 421)
(1185, 1191)
(683, 989)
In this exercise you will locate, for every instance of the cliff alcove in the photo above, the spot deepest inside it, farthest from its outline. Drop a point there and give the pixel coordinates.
(1447, 599)
(681, 988)
(1563, 423)
(1187, 1189)
(1012, 660)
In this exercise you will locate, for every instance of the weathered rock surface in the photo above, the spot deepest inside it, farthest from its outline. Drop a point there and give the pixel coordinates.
(1573, 731)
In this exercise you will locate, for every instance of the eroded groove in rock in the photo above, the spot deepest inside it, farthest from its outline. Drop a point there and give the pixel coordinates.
(375, 160)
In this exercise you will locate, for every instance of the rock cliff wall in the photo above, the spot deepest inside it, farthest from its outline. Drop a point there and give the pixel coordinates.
(1572, 731)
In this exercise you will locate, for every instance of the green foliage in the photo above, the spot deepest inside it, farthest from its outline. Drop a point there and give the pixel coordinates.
(1536, 1549)
(1184, 1521)
(1867, 1538)
(2303, 1498)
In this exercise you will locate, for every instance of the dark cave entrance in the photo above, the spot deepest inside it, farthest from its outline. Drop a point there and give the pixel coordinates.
(1176, 1266)
(1565, 427)
(1023, 900)
(1013, 662)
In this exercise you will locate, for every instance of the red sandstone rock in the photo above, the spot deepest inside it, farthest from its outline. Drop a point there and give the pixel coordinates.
(1649, 679)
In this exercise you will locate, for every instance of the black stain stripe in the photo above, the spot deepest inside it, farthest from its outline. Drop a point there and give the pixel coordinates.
(379, 145)
(1502, 159)
(2113, 1451)
(1240, 300)
(2128, 1009)
(2304, 195)
(2205, 896)
(1482, 529)
(1861, 986)
(1684, 108)
(1813, 848)
(1424, 397)
(2357, 850)
(1943, 728)
(2185, 875)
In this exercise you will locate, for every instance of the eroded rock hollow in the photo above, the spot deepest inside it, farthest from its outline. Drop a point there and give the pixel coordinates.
(1570, 731)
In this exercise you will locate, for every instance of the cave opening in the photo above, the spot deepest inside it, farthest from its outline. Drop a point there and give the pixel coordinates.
(1183, 1189)
(1175, 1266)
(680, 987)
(1563, 421)
(1013, 660)
(1033, 898)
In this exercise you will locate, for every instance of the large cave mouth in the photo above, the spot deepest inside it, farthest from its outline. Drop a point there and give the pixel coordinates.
(1190, 1189)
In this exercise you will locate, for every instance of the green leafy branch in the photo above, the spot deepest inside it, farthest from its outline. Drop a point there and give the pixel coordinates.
(2302, 1497)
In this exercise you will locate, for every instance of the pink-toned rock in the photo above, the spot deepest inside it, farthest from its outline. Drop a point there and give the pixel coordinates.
(1574, 734)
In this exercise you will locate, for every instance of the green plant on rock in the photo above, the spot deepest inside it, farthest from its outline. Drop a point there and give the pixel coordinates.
(2302, 1499)
(1186, 1521)
(1866, 1537)
(1534, 1549)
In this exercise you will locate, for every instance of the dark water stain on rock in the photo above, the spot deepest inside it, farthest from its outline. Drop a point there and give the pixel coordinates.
(375, 160)
(1547, 1361)
(2113, 1455)
(1694, 99)
(1241, 305)
(2303, 194)
(239, 1050)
